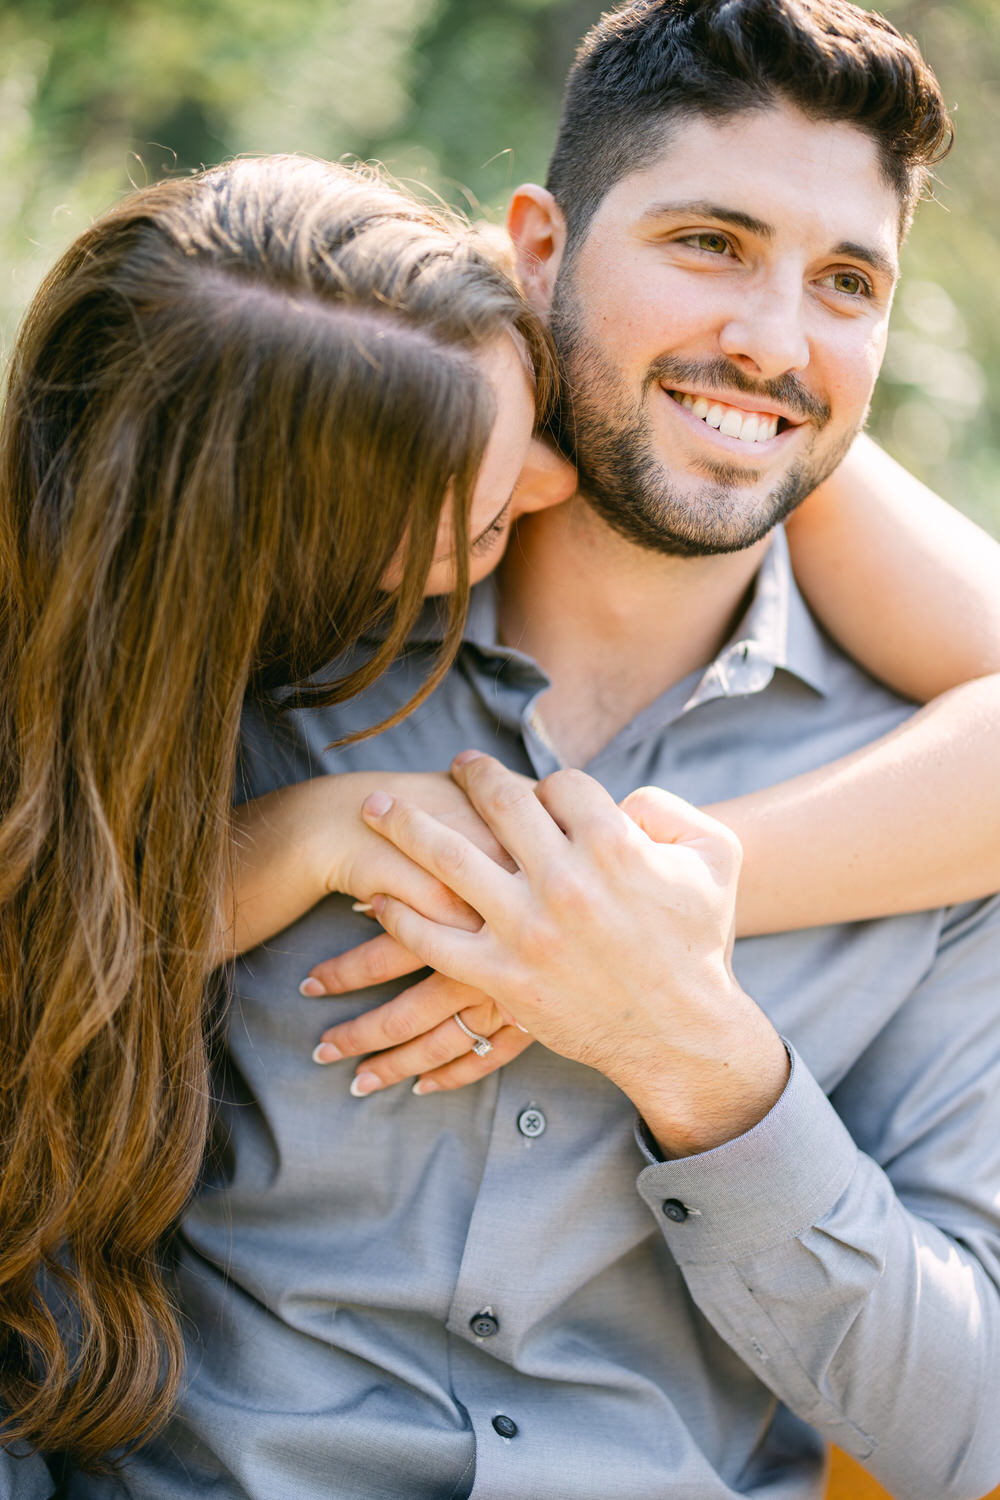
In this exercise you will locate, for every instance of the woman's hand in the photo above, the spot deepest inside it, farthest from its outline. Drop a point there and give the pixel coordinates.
(299, 844)
(359, 858)
(415, 1034)
(611, 946)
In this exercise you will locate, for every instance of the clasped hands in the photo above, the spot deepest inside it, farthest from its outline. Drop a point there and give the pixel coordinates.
(603, 931)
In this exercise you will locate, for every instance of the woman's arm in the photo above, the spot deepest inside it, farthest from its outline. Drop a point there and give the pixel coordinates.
(903, 582)
(912, 590)
(910, 821)
(301, 843)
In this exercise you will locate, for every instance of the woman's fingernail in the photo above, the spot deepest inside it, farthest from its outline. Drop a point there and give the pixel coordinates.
(365, 1083)
(425, 1086)
(376, 804)
(326, 1052)
(312, 986)
(378, 902)
(464, 756)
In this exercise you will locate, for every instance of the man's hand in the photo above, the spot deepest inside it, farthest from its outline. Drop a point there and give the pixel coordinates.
(607, 944)
(359, 864)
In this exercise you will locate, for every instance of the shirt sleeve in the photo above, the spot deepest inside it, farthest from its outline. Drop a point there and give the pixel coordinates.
(848, 1249)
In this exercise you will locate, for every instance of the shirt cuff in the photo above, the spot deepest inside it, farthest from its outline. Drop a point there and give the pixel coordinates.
(759, 1190)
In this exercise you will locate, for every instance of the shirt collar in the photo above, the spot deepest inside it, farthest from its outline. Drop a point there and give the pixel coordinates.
(777, 631)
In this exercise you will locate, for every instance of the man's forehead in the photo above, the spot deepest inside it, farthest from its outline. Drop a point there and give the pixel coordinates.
(772, 172)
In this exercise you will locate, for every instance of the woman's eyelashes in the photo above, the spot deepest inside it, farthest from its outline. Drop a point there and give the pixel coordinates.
(487, 539)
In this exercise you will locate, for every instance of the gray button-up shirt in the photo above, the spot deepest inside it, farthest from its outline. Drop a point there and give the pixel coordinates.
(368, 1284)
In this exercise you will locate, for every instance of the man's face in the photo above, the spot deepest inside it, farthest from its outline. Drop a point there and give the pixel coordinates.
(721, 326)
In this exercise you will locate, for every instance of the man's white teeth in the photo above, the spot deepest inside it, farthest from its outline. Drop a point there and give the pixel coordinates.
(753, 428)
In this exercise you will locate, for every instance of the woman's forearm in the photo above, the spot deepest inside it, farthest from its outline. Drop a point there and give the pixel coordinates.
(283, 853)
(909, 822)
(906, 584)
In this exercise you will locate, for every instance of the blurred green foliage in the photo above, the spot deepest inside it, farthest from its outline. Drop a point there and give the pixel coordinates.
(463, 95)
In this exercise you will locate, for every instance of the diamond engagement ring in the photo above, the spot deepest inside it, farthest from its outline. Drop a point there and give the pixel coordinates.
(480, 1044)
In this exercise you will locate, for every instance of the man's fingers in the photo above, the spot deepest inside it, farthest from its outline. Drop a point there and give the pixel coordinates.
(670, 820)
(576, 802)
(443, 852)
(375, 962)
(508, 804)
(389, 870)
(445, 949)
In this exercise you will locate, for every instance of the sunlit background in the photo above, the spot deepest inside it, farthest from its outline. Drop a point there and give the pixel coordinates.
(463, 95)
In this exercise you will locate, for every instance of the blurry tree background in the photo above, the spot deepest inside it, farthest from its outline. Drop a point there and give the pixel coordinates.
(463, 96)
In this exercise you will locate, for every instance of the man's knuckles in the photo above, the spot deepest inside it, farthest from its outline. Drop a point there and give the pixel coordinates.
(442, 905)
(565, 893)
(498, 794)
(568, 793)
(608, 838)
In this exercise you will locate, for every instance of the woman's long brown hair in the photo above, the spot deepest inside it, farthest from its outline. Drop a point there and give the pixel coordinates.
(231, 401)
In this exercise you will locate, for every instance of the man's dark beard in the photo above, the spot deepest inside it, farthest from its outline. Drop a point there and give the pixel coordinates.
(608, 438)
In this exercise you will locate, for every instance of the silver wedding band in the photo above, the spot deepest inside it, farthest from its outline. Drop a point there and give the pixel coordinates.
(480, 1044)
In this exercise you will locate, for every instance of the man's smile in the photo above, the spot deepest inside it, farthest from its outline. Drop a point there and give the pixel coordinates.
(750, 425)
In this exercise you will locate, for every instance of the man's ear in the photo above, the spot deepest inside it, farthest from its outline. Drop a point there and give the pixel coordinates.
(536, 225)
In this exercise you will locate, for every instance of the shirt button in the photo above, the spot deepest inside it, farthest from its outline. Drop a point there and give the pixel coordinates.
(531, 1122)
(675, 1210)
(484, 1325)
(505, 1426)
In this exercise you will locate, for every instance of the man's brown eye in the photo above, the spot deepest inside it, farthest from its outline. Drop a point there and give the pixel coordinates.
(717, 243)
(849, 283)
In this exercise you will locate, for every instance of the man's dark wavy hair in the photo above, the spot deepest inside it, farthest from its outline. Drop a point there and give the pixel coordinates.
(652, 62)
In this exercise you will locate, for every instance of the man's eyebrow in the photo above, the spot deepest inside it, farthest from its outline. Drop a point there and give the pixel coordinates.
(877, 259)
(702, 209)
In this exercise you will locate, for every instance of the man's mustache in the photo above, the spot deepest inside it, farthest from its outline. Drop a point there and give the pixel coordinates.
(721, 374)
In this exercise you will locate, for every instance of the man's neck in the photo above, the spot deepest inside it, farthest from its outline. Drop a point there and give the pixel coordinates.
(612, 625)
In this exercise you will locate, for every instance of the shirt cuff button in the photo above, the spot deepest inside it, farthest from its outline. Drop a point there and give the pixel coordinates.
(675, 1210)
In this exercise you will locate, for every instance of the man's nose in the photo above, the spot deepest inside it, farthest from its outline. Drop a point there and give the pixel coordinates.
(766, 333)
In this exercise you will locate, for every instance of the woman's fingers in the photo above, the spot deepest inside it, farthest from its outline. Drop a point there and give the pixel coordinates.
(374, 962)
(508, 1043)
(406, 1016)
(417, 1034)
